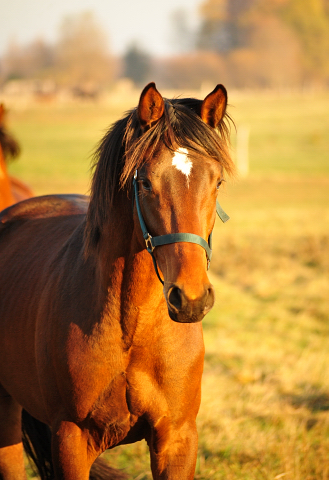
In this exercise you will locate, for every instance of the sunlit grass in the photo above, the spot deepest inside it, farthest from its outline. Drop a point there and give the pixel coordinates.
(288, 133)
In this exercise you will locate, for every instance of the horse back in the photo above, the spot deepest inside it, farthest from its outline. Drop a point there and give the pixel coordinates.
(43, 207)
(33, 231)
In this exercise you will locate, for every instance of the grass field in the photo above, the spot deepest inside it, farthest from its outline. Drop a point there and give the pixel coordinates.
(265, 406)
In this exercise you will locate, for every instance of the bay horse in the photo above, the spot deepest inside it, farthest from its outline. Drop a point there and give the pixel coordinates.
(93, 347)
(12, 190)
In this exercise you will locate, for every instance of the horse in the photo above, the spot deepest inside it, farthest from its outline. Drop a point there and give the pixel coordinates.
(101, 299)
(12, 190)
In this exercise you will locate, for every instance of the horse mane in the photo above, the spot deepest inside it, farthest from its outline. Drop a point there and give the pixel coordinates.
(9, 145)
(125, 148)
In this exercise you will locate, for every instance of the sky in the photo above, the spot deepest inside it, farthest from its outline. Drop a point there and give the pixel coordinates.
(147, 22)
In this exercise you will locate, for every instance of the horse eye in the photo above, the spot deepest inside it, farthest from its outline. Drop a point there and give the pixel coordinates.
(219, 184)
(146, 184)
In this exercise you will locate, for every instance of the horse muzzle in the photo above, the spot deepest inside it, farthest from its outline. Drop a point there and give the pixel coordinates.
(188, 308)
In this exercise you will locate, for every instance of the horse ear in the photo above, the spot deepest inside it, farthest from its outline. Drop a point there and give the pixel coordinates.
(213, 107)
(150, 107)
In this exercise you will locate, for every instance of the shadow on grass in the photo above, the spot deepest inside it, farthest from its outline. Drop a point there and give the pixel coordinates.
(314, 402)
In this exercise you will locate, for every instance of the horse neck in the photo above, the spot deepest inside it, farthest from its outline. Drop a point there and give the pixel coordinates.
(126, 269)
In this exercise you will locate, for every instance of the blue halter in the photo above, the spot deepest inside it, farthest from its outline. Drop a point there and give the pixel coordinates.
(152, 242)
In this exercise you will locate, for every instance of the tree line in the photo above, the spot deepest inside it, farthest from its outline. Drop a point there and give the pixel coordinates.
(242, 43)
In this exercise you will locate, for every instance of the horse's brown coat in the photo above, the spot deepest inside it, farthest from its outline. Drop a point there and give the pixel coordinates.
(86, 342)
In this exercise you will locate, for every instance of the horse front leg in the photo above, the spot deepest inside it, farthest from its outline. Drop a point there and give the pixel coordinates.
(173, 451)
(72, 457)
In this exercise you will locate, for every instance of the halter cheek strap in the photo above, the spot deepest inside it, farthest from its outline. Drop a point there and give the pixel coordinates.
(152, 242)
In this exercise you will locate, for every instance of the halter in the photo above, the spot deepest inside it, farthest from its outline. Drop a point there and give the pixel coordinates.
(152, 242)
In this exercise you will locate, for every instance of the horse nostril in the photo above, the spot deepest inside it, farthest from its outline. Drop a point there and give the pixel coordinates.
(189, 309)
(210, 299)
(175, 298)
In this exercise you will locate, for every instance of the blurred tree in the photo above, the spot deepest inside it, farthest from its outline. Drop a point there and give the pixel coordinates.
(13, 62)
(191, 70)
(136, 64)
(221, 24)
(39, 58)
(286, 42)
(30, 61)
(183, 35)
(82, 55)
(271, 59)
(310, 20)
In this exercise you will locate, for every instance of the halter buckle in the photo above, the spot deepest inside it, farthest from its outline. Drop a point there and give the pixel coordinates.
(149, 245)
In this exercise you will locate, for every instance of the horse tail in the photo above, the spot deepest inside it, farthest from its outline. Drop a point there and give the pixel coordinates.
(37, 446)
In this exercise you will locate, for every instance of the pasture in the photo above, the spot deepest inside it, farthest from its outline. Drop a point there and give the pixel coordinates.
(265, 405)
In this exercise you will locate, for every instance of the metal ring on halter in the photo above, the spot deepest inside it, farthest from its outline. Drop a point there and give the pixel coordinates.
(148, 242)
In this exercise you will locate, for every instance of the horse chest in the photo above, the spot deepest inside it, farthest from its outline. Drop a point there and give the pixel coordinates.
(163, 376)
(116, 391)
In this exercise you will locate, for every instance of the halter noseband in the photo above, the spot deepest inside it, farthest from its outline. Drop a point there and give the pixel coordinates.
(152, 242)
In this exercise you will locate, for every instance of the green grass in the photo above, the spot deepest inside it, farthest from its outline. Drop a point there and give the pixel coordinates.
(57, 144)
(265, 404)
(289, 134)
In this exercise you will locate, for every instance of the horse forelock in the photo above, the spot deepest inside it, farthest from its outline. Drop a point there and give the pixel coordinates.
(125, 148)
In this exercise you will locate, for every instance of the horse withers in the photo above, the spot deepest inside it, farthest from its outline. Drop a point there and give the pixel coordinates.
(92, 344)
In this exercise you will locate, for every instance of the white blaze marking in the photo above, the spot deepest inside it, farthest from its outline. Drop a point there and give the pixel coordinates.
(182, 162)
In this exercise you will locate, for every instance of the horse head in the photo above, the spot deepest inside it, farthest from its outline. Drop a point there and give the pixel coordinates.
(176, 189)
